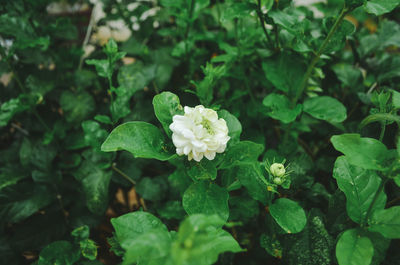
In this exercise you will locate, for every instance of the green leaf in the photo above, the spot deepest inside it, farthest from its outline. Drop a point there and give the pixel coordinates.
(200, 240)
(271, 245)
(244, 151)
(166, 105)
(9, 108)
(354, 249)
(60, 253)
(77, 106)
(289, 215)
(338, 40)
(88, 249)
(291, 22)
(81, 233)
(367, 153)
(381, 245)
(354, 3)
(386, 222)
(120, 107)
(243, 208)
(379, 117)
(348, 74)
(285, 72)
(10, 176)
(379, 7)
(325, 108)
(131, 225)
(139, 138)
(103, 68)
(279, 106)
(131, 78)
(206, 198)
(205, 169)
(103, 119)
(234, 126)
(396, 99)
(250, 176)
(153, 189)
(359, 186)
(95, 182)
(312, 246)
(94, 134)
(151, 247)
(21, 201)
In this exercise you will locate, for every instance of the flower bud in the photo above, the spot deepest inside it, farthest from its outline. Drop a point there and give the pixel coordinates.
(277, 170)
(278, 181)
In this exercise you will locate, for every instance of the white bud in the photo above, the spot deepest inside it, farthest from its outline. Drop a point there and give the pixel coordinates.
(278, 181)
(277, 170)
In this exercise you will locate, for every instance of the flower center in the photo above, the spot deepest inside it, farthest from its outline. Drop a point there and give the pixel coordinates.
(207, 125)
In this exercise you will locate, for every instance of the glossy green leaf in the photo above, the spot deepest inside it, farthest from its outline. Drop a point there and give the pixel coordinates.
(280, 109)
(325, 108)
(354, 249)
(289, 215)
(200, 240)
(166, 105)
(234, 126)
(386, 222)
(250, 176)
(379, 7)
(360, 186)
(150, 247)
(139, 138)
(203, 170)
(130, 226)
(367, 153)
(244, 151)
(59, 252)
(206, 198)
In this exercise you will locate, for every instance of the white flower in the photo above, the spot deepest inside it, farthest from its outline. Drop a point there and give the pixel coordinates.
(199, 133)
(277, 169)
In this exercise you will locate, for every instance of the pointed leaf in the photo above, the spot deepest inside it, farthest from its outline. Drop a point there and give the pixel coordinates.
(139, 138)
(360, 186)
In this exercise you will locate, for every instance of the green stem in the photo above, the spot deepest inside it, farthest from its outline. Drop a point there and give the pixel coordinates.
(189, 24)
(383, 128)
(261, 18)
(376, 196)
(123, 174)
(318, 54)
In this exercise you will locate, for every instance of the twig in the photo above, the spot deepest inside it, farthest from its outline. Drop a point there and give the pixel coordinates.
(87, 36)
(261, 18)
(113, 166)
